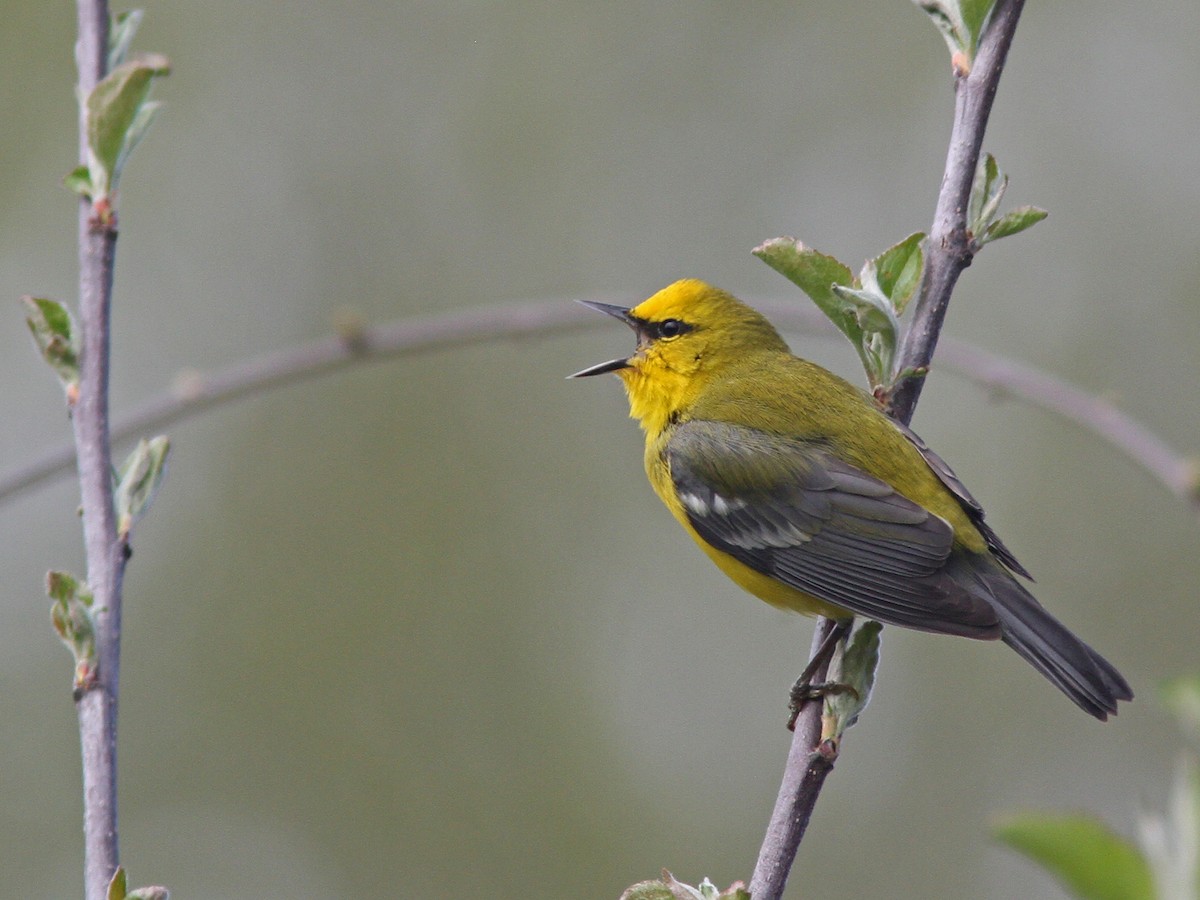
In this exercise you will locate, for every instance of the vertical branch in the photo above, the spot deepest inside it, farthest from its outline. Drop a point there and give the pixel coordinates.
(96, 699)
(949, 250)
(950, 247)
(803, 777)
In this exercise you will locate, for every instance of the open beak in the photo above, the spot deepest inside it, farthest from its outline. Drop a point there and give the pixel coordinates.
(613, 365)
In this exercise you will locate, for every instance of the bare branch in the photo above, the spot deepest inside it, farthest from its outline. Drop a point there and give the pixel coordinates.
(195, 392)
(96, 701)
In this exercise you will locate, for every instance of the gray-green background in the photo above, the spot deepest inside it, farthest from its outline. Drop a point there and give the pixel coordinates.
(420, 629)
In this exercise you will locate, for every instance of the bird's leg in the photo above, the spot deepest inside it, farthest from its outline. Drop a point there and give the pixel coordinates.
(804, 690)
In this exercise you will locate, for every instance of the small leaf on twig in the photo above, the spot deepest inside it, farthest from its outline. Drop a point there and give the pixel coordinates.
(57, 339)
(117, 885)
(1011, 223)
(899, 270)
(947, 15)
(668, 888)
(1094, 862)
(138, 481)
(121, 32)
(866, 309)
(72, 617)
(857, 672)
(987, 191)
(117, 117)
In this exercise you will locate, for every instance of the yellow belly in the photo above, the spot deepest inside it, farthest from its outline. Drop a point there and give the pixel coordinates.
(764, 586)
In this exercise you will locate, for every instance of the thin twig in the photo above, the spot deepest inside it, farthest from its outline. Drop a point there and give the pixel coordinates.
(949, 248)
(196, 392)
(96, 702)
(948, 252)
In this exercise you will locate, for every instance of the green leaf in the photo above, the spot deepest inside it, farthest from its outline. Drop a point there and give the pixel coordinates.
(113, 106)
(668, 888)
(899, 270)
(1012, 222)
(857, 672)
(648, 890)
(121, 31)
(816, 274)
(947, 15)
(877, 322)
(71, 615)
(56, 337)
(116, 887)
(987, 190)
(155, 892)
(138, 481)
(974, 15)
(62, 586)
(79, 181)
(811, 271)
(1092, 861)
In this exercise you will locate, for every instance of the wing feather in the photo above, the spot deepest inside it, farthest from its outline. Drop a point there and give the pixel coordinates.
(790, 509)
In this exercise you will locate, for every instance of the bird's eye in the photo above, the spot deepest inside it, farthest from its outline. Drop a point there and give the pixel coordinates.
(670, 328)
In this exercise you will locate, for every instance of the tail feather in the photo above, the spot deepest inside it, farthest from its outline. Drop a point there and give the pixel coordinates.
(1077, 670)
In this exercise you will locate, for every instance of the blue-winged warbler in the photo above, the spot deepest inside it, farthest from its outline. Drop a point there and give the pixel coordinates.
(804, 493)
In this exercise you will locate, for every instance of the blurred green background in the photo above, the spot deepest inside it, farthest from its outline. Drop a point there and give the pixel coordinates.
(421, 629)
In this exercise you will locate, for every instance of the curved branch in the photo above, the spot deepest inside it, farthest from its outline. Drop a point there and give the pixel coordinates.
(196, 392)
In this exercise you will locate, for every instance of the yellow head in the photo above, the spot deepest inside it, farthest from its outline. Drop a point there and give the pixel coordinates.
(686, 333)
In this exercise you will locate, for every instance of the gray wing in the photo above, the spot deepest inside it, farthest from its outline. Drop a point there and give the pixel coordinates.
(791, 510)
(969, 503)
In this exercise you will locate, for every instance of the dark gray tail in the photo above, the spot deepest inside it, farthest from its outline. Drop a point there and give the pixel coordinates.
(1077, 670)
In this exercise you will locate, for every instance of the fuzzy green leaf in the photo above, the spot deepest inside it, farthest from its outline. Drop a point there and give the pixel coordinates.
(62, 586)
(120, 36)
(71, 615)
(857, 672)
(79, 181)
(899, 270)
(813, 272)
(1012, 222)
(877, 322)
(113, 106)
(648, 890)
(116, 887)
(668, 888)
(974, 15)
(816, 274)
(1092, 861)
(138, 481)
(154, 892)
(987, 190)
(947, 15)
(55, 335)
